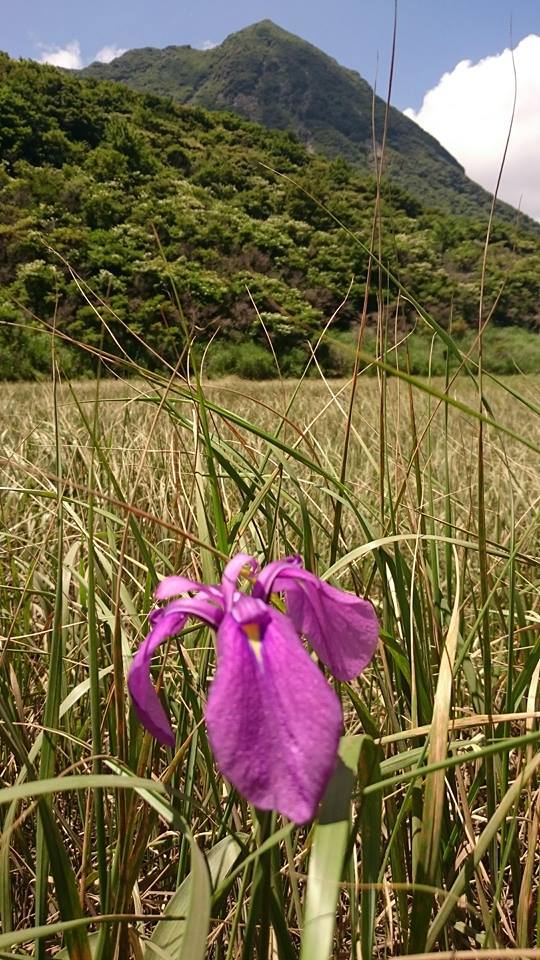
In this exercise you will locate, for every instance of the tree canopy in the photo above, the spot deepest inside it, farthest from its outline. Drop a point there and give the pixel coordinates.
(161, 219)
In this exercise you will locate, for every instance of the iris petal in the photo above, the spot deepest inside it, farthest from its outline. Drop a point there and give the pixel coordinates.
(273, 722)
(342, 628)
(231, 574)
(267, 577)
(174, 586)
(146, 701)
(167, 622)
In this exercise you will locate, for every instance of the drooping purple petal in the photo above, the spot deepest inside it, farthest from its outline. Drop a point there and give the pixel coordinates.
(231, 573)
(343, 629)
(206, 609)
(174, 586)
(273, 722)
(146, 701)
(166, 622)
(267, 577)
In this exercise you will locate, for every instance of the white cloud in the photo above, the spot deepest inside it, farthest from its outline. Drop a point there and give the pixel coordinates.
(469, 112)
(208, 45)
(108, 53)
(68, 56)
(71, 57)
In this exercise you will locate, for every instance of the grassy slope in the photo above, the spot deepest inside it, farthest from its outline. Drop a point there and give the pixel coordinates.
(275, 78)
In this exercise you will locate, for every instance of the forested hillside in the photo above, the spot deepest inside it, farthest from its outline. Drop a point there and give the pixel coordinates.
(271, 76)
(163, 218)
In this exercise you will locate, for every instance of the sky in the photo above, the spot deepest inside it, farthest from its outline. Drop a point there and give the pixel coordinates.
(452, 74)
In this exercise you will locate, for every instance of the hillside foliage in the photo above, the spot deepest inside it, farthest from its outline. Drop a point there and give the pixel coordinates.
(161, 219)
(272, 77)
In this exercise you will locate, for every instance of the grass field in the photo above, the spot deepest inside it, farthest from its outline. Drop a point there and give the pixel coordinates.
(427, 841)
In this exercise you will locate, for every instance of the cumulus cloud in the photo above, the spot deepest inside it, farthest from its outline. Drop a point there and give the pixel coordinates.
(469, 113)
(68, 56)
(108, 53)
(71, 56)
(208, 45)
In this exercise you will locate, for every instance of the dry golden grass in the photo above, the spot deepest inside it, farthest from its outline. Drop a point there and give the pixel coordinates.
(139, 479)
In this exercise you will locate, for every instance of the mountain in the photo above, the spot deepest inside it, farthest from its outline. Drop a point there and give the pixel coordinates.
(127, 220)
(275, 78)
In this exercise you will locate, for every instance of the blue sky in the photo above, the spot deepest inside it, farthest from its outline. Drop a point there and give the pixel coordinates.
(433, 35)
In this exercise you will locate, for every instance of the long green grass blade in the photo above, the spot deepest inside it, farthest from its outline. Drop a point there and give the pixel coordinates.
(327, 857)
(175, 937)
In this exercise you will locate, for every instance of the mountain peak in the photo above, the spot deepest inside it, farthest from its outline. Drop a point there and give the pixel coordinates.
(263, 30)
(265, 24)
(263, 27)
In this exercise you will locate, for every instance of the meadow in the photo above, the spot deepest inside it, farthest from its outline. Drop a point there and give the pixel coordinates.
(422, 495)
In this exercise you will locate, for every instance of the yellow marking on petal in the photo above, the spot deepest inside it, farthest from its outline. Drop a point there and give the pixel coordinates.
(253, 633)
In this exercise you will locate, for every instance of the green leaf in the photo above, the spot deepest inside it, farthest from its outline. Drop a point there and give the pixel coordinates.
(93, 943)
(327, 857)
(369, 771)
(434, 796)
(184, 938)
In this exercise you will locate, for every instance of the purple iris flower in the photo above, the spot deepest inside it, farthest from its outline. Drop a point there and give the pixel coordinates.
(273, 721)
